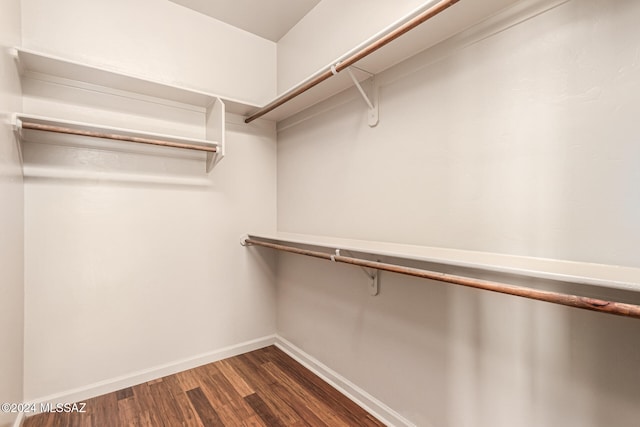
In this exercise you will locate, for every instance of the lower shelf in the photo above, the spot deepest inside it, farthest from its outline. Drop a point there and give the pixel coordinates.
(25, 124)
(602, 275)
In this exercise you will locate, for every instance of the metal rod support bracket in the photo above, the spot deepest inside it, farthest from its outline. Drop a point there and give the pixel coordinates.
(370, 99)
(374, 288)
(372, 275)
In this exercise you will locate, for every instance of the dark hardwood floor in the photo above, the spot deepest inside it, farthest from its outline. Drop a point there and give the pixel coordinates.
(261, 388)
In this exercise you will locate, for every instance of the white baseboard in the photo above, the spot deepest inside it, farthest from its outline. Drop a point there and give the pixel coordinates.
(372, 405)
(19, 420)
(118, 383)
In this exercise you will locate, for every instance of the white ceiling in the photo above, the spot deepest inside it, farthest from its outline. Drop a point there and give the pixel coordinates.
(270, 19)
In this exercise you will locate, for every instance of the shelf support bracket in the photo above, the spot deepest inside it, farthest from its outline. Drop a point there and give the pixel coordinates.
(16, 124)
(215, 130)
(372, 275)
(371, 100)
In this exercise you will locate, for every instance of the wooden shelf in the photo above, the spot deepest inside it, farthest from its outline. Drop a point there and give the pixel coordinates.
(29, 129)
(461, 25)
(51, 68)
(68, 76)
(608, 276)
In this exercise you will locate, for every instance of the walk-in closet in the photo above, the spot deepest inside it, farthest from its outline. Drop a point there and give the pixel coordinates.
(320, 213)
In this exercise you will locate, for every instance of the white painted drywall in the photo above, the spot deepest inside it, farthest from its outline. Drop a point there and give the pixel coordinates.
(155, 39)
(496, 148)
(132, 254)
(526, 143)
(11, 218)
(133, 260)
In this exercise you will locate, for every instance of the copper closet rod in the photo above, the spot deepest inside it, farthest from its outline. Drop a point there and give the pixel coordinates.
(611, 307)
(409, 25)
(117, 137)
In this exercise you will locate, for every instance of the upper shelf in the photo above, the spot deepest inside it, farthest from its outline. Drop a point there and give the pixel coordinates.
(608, 276)
(467, 21)
(36, 64)
(67, 74)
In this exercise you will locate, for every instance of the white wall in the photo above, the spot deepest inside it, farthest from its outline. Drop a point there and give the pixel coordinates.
(499, 147)
(11, 217)
(133, 261)
(157, 39)
(523, 143)
(132, 254)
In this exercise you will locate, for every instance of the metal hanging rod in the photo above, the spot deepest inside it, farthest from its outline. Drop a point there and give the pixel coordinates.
(355, 57)
(586, 303)
(117, 137)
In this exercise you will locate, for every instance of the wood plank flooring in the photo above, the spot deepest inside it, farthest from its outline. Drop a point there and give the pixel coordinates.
(261, 388)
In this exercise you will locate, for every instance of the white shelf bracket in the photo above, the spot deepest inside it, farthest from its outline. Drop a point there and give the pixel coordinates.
(374, 288)
(372, 275)
(215, 130)
(16, 124)
(16, 58)
(371, 100)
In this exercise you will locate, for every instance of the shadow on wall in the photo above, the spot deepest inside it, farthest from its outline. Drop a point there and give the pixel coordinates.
(605, 362)
(444, 355)
(521, 362)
